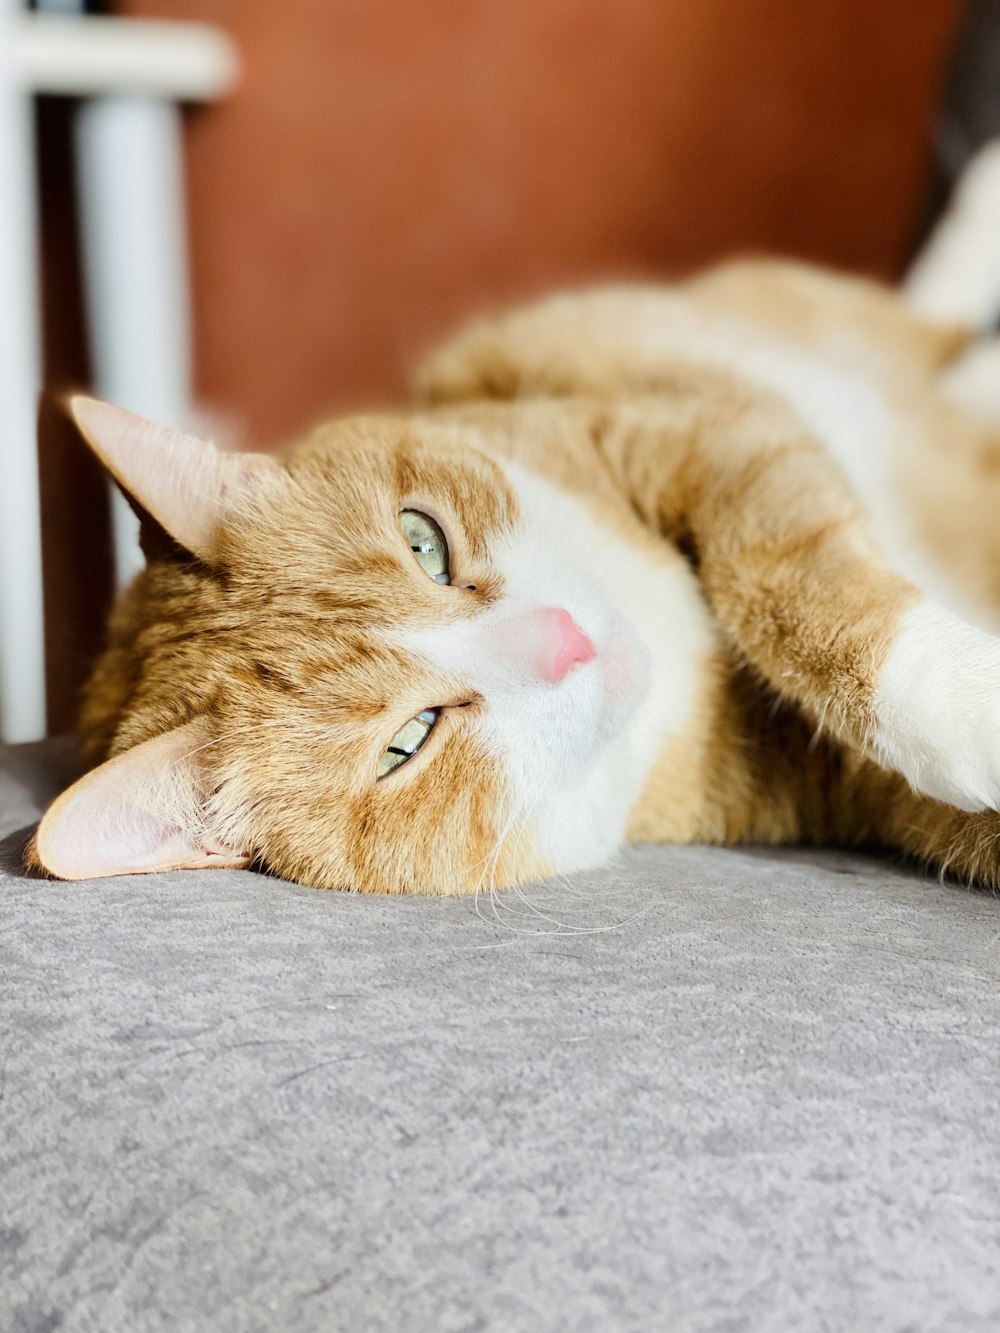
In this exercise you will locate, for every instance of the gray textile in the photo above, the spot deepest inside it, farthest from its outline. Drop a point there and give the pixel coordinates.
(760, 1094)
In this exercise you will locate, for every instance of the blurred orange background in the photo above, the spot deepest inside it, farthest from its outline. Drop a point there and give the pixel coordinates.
(385, 169)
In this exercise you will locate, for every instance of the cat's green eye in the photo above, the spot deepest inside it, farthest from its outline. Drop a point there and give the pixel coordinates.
(407, 741)
(427, 544)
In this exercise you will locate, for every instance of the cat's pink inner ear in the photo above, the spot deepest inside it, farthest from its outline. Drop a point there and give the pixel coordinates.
(136, 814)
(185, 483)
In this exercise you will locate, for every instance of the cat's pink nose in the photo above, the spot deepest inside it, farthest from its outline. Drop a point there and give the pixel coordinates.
(561, 644)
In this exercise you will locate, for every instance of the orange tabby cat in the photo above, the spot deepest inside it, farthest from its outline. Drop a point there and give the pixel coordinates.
(718, 563)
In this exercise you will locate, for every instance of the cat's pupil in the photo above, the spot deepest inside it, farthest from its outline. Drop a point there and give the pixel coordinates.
(427, 542)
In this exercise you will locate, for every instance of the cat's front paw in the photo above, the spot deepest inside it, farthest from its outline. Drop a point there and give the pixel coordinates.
(938, 709)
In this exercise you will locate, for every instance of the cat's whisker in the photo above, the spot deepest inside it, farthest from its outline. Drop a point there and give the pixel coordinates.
(503, 833)
(523, 815)
(570, 928)
(493, 856)
(531, 909)
(486, 859)
(516, 889)
(536, 911)
(526, 810)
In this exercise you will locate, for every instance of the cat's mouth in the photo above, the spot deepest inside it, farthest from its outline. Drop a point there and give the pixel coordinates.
(624, 664)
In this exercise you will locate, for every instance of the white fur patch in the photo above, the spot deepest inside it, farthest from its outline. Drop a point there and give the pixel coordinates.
(577, 754)
(956, 278)
(938, 709)
(973, 381)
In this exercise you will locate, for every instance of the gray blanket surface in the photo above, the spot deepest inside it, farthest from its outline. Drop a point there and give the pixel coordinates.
(703, 1090)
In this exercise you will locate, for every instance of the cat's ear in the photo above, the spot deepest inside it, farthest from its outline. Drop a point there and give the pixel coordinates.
(184, 483)
(143, 811)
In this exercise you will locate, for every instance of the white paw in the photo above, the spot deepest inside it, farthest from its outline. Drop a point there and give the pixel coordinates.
(973, 381)
(938, 709)
(956, 278)
(979, 184)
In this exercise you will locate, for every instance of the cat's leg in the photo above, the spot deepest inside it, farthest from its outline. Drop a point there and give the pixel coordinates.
(783, 550)
(876, 808)
(956, 277)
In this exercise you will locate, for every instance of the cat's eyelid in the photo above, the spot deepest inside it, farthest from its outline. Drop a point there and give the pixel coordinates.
(414, 504)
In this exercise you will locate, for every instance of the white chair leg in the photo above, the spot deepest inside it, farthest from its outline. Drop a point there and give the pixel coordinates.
(22, 638)
(130, 182)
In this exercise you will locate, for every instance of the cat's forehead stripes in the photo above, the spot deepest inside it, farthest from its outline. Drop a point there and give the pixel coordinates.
(449, 465)
(367, 462)
(335, 535)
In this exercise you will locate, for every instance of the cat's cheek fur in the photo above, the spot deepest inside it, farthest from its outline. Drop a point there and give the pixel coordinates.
(938, 709)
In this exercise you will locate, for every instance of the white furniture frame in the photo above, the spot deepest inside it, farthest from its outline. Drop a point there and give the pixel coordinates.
(132, 74)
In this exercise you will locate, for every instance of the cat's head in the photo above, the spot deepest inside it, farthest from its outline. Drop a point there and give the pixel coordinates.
(397, 660)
